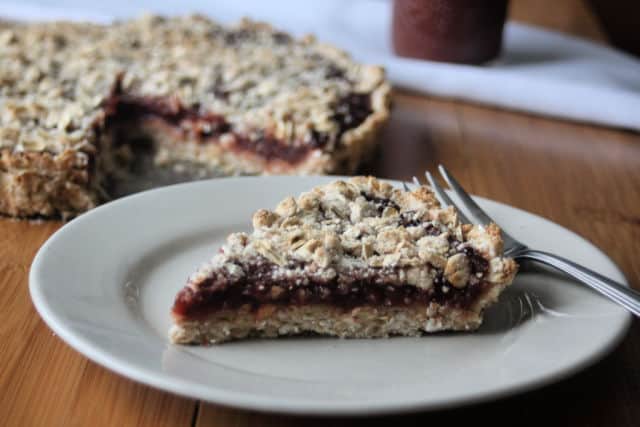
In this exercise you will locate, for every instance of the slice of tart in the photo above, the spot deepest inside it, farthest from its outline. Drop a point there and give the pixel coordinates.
(353, 259)
(81, 104)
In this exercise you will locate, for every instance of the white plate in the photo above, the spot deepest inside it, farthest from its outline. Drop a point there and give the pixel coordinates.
(105, 283)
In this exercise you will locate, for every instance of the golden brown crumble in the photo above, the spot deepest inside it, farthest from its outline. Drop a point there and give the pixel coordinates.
(366, 223)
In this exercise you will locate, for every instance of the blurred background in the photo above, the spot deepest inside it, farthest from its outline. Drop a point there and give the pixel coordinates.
(567, 59)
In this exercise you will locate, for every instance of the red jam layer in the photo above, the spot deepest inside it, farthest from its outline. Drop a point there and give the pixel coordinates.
(258, 287)
(208, 127)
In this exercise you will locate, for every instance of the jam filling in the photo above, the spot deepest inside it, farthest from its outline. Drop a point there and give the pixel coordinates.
(352, 110)
(380, 202)
(374, 288)
(122, 107)
(208, 127)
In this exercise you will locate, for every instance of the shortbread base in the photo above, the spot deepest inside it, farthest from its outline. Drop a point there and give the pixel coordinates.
(271, 321)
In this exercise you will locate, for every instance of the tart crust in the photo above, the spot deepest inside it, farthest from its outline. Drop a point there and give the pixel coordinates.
(61, 148)
(361, 322)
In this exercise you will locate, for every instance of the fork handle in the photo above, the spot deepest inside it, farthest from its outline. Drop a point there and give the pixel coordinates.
(626, 297)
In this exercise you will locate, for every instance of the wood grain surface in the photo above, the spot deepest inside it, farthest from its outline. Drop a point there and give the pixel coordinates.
(583, 177)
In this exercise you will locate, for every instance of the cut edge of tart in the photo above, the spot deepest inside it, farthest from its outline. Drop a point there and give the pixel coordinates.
(352, 259)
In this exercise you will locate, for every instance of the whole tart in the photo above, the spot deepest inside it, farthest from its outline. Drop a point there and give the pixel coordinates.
(80, 103)
(353, 259)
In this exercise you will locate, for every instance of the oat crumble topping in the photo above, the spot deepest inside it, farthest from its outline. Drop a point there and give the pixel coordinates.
(55, 77)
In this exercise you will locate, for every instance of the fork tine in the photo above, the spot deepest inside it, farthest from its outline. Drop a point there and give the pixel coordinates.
(444, 199)
(405, 186)
(476, 211)
(416, 182)
(440, 194)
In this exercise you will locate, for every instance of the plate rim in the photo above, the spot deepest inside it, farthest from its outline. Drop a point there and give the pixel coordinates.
(251, 401)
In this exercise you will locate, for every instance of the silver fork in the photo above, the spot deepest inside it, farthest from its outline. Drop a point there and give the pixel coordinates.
(513, 248)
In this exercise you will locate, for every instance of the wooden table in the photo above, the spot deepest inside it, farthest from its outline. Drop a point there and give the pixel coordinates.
(584, 177)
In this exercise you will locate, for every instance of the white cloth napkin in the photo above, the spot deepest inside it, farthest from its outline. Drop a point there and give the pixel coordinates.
(539, 71)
